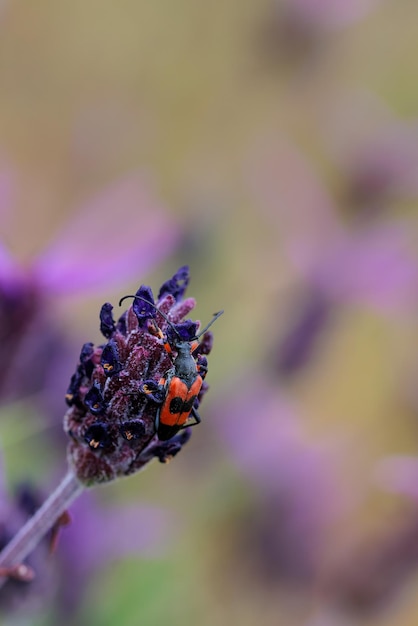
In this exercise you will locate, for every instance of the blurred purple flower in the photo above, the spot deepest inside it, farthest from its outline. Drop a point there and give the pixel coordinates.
(374, 264)
(97, 536)
(18, 596)
(311, 313)
(100, 535)
(376, 152)
(297, 486)
(330, 13)
(399, 474)
(299, 497)
(371, 575)
(121, 232)
(370, 263)
(296, 31)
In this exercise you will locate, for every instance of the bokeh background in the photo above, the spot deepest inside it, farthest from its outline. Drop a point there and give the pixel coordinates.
(273, 147)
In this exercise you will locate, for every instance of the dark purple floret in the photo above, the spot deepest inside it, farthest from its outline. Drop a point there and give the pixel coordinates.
(141, 308)
(167, 450)
(202, 365)
(205, 345)
(97, 436)
(118, 389)
(111, 359)
(72, 394)
(85, 358)
(107, 323)
(86, 352)
(186, 331)
(132, 429)
(152, 389)
(94, 400)
(177, 285)
(122, 326)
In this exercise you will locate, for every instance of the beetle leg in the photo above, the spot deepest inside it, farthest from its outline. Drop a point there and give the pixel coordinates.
(193, 415)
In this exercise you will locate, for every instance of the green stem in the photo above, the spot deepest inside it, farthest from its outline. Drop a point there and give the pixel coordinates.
(28, 537)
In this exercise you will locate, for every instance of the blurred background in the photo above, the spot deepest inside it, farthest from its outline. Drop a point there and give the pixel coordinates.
(273, 147)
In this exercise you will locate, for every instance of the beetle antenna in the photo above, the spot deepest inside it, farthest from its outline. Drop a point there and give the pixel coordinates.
(156, 308)
(169, 322)
(215, 317)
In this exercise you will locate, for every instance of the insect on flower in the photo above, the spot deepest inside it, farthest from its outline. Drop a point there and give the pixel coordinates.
(178, 390)
(128, 390)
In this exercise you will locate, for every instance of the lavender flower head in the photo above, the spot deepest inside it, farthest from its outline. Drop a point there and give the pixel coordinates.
(116, 391)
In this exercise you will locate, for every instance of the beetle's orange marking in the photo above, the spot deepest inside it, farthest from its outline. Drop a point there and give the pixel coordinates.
(154, 330)
(168, 348)
(179, 393)
(195, 388)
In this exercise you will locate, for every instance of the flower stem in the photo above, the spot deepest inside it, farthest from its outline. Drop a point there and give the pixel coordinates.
(40, 523)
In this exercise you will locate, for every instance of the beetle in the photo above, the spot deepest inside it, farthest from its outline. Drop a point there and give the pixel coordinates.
(178, 390)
